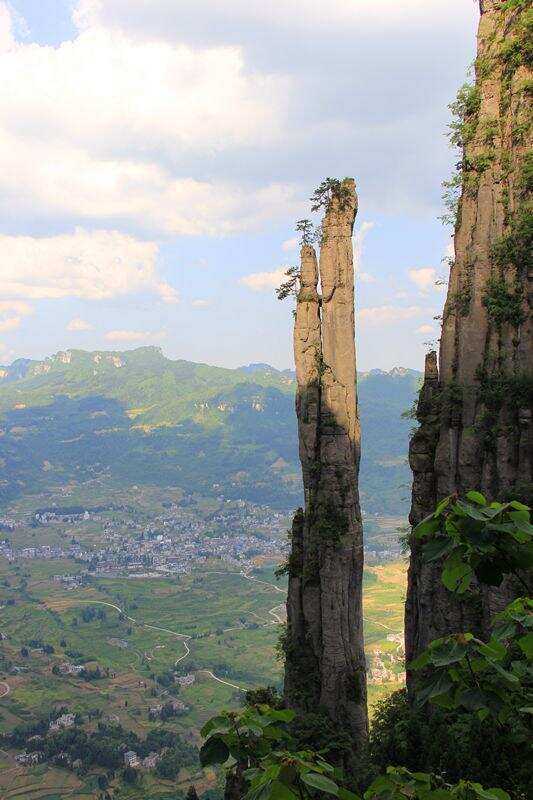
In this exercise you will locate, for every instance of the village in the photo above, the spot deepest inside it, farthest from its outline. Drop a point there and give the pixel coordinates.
(171, 543)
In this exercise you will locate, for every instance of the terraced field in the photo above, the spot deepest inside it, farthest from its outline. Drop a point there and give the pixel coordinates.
(220, 626)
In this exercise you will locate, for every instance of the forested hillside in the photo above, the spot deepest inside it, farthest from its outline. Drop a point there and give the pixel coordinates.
(137, 417)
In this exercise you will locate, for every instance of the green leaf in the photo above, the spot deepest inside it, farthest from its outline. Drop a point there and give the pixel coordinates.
(489, 794)
(287, 774)
(436, 548)
(219, 722)
(443, 505)
(472, 511)
(519, 506)
(526, 645)
(520, 536)
(438, 684)
(345, 794)
(493, 649)
(446, 700)
(422, 661)
(213, 751)
(427, 527)
(281, 715)
(508, 676)
(457, 574)
(473, 700)
(449, 652)
(320, 782)
(278, 791)
(519, 516)
(381, 786)
(274, 733)
(477, 497)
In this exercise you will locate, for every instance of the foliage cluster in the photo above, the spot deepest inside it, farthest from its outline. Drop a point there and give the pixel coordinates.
(464, 110)
(504, 303)
(478, 541)
(512, 5)
(471, 682)
(329, 190)
(459, 302)
(289, 288)
(516, 249)
(452, 743)
(517, 51)
(485, 543)
(526, 174)
(516, 391)
(103, 747)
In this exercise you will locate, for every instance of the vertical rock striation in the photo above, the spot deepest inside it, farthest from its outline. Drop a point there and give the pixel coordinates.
(325, 663)
(475, 412)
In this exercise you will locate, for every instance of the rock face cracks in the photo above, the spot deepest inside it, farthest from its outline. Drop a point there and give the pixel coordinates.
(475, 410)
(325, 663)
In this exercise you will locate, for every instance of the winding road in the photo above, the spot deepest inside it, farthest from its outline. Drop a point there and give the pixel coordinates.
(185, 637)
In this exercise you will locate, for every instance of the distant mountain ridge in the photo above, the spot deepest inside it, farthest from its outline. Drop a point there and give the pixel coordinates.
(138, 417)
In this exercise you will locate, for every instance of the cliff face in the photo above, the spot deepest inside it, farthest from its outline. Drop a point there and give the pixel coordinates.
(475, 411)
(325, 664)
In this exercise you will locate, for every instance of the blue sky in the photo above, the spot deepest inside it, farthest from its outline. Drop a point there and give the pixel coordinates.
(155, 156)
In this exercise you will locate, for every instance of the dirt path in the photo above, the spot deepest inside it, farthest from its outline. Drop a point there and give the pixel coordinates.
(226, 683)
(381, 624)
(274, 612)
(185, 638)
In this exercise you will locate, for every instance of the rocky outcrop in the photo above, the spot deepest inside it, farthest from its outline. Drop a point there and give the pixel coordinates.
(325, 663)
(475, 412)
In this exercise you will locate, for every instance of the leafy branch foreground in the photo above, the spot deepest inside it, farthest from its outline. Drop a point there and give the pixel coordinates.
(329, 191)
(479, 545)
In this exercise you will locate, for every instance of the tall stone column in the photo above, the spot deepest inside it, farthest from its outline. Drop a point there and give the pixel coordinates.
(325, 662)
(475, 411)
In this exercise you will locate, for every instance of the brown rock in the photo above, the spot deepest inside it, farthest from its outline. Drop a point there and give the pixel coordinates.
(325, 663)
(475, 417)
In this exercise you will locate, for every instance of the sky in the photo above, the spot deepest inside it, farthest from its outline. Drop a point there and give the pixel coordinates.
(155, 155)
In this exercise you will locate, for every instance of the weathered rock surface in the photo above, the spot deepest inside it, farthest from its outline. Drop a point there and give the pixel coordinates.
(325, 663)
(475, 416)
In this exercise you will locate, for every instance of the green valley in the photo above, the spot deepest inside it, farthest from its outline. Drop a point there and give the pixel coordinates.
(144, 510)
(216, 627)
(111, 420)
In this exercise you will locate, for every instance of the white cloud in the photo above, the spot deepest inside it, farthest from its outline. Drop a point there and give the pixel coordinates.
(334, 110)
(208, 121)
(290, 244)
(425, 279)
(95, 265)
(358, 246)
(297, 17)
(11, 313)
(134, 336)
(199, 303)
(6, 28)
(105, 126)
(5, 352)
(386, 315)
(78, 324)
(359, 239)
(15, 306)
(10, 323)
(263, 281)
(425, 329)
